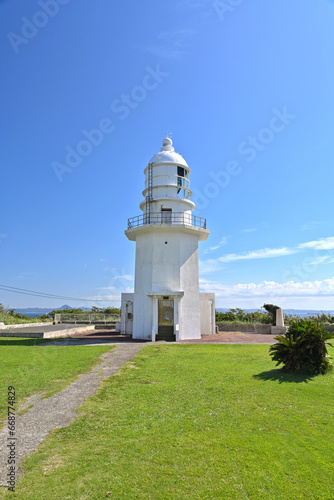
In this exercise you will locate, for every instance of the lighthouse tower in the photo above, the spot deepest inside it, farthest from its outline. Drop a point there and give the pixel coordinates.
(166, 300)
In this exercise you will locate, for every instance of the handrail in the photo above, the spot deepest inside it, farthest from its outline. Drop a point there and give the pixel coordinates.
(170, 218)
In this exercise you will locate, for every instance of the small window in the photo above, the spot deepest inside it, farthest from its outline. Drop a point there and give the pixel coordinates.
(165, 298)
(180, 171)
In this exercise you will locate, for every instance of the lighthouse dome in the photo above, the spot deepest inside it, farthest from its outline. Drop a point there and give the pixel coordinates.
(167, 154)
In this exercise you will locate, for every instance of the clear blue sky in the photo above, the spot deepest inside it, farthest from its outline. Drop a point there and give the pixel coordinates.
(247, 92)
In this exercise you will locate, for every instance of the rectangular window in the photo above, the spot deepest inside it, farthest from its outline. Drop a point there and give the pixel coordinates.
(180, 171)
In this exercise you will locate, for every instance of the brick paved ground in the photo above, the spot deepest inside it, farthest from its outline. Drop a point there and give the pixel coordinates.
(221, 337)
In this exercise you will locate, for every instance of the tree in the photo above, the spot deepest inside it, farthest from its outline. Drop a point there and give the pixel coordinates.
(271, 309)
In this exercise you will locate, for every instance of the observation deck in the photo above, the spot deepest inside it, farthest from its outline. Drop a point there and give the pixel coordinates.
(167, 218)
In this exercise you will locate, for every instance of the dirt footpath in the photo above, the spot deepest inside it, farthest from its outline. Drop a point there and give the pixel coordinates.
(59, 410)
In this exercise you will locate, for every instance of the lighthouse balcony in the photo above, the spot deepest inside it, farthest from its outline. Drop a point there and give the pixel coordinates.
(166, 217)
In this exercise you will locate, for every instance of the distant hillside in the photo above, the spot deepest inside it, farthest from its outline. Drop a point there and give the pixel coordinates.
(33, 312)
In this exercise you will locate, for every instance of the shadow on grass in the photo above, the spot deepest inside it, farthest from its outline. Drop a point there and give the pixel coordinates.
(16, 341)
(281, 376)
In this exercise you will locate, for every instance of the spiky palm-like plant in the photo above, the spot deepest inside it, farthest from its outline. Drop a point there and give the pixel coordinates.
(303, 348)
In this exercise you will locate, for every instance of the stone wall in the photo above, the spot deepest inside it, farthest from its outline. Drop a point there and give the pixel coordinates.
(251, 328)
(243, 327)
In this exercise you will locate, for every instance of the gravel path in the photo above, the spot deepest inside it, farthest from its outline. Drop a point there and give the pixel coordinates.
(59, 410)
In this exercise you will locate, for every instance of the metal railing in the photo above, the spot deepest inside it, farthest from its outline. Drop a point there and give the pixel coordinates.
(174, 218)
(82, 318)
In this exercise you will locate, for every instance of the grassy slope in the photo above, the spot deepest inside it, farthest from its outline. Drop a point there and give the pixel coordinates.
(193, 422)
(47, 370)
(10, 320)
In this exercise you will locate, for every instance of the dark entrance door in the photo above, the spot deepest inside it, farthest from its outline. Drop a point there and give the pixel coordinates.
(166, 320)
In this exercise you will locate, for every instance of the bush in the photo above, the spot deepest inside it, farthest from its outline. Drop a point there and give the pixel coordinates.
(240, 316)
(303, 348)
(322, 318)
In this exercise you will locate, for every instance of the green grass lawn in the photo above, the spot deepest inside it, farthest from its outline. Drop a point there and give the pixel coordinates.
(47, 370)
(193, 422)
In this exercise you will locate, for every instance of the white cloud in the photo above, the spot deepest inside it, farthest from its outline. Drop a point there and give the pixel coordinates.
(270, 289)
(264, 253)
(106, 288)
(104, 298)
(213, 265)
(320, 260)
(248, 230)
(222, 242)
(210, 266)
(127, 277)
(322, 244)
(309, 225)
(211, 249)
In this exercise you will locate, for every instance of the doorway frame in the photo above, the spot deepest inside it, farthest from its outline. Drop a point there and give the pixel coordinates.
(173, 295)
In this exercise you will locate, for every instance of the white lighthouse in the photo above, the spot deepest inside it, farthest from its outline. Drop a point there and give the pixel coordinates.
(167, 304)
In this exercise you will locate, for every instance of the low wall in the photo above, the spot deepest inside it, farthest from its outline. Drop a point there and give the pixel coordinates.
(68, 332)
(22, 335)
(251, 328)
(243, 327)
(23, 325)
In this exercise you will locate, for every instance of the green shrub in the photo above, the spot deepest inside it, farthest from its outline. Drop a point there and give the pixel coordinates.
(303, 348)
(240, 316)
(322, 318)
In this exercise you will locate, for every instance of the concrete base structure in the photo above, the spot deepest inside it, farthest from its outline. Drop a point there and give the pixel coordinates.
(23, 325)
(252, 328)
(206, 315)
(279, 318)
(279, 330)
(46, 332)
(166, 269)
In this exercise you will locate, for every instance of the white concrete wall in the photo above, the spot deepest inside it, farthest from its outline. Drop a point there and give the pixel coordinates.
(176, 204)
(126, 307)
(167, 260)
(208, 313)
(207, 309)
(189, 283)
(142, 306)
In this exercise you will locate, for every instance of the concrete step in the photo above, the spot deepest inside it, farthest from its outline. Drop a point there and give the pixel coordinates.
(166, 337)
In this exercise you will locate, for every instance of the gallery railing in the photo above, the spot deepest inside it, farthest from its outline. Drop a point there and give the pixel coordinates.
(83, 318)
(176, 218)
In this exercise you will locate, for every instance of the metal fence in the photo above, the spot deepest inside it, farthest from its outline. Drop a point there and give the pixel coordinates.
(89, 318)
(176, 218)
